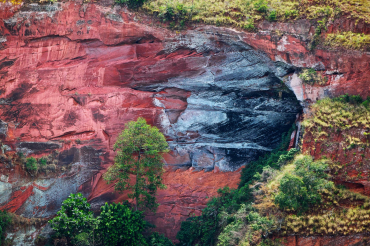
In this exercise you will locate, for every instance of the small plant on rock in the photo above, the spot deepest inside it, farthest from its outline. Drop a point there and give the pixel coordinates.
(31, 165)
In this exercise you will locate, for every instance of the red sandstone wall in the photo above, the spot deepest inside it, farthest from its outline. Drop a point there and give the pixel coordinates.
(55, 62)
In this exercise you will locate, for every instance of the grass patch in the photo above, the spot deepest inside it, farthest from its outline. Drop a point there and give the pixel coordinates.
(311, 77)
(348, 40)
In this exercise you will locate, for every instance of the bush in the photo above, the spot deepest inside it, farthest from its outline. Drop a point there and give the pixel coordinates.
(272, 16)
(157, 239)
(5, 220)
(31, 165)
(73, 218)
(131, 3)
(311, 77)
(203, 230)
(119, 225)
(353, 99)
(43, 162)
(300, 190)
(261, 6)
(177, 13)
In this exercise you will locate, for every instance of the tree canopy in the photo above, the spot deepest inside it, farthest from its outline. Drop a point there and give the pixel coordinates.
(139, 153)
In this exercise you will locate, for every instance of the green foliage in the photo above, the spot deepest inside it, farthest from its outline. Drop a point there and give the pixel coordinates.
(203, 230)
(341, 114)
(139, 152)
(31, 165)
(157, 239)
(261, 6)
(43, 162)
(311, 77)
(176, 13)
(131, 3)
(5, 220)
(348, 40)
(300, 190)
(317, 37)
(352, 99)
(272, 16)
(244, 13)
(260, 223)
(83, 239)
(244, 227)
(226, 214)
(249, 25)
(73, 218)
(119, 225)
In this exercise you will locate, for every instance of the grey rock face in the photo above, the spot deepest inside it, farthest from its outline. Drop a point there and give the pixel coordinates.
(238, 108)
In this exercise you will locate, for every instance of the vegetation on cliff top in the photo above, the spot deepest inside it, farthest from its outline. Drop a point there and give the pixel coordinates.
(244, 13)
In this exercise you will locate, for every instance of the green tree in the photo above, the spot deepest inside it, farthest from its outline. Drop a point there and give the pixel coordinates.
(73, 218)
(139, 152)
(301, 190)
(119, 225)
(157, 239)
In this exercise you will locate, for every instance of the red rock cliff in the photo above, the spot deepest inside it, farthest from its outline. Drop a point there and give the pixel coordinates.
(72, 74)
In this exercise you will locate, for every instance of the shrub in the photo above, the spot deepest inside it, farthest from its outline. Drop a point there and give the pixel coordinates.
(311, 77)
(177, 13)
(249, 25)
(203, 229)
(5, 220)
(157, 239)
(261, 6)
(300, 190)
(43, 162)
(31, 165)
(272, 16)
(352, 99)
(131, 3)
(119, 225)
(73, 218)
